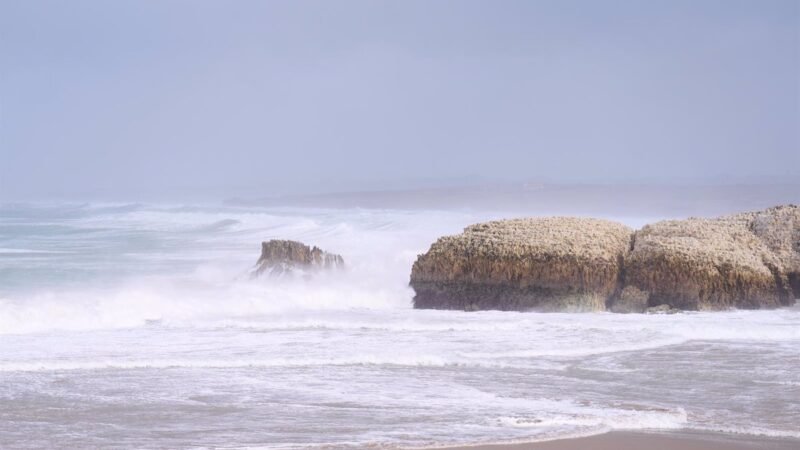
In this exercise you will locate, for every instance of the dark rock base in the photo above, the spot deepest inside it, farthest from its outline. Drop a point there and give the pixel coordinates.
(477, 297)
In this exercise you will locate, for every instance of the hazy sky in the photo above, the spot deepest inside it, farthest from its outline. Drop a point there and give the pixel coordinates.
(127, 98)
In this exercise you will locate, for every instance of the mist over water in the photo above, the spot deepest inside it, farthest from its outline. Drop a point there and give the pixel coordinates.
(370, 129)
(129, 264)
(138, 325)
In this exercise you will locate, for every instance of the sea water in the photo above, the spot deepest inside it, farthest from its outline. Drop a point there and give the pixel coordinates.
(131, 325)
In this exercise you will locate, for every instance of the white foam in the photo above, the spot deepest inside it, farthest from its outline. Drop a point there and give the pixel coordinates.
(602, 420)
(479, 375)
(752, 431)
(111, 364)
(556, 350)
(25, 251)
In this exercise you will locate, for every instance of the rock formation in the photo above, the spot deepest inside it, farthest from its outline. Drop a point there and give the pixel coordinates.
(779, 229)
(631, 300)
(708, 264)
(749, 260)
(559, 263)
(279, 257)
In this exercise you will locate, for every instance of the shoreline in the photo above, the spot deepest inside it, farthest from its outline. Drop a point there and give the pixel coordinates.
(642, 440)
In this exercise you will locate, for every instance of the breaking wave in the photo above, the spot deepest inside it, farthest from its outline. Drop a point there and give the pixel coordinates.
(132, 305)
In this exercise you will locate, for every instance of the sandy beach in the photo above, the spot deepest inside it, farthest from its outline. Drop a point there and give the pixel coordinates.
(652, 441)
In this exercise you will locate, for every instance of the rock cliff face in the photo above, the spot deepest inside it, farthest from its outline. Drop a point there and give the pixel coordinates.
(779, 229)
(280, 257)
(551, 264)
(708, 264)
(749, 260)
(630, 300)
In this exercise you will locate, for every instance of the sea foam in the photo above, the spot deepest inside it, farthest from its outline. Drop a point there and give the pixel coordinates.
(144, 317)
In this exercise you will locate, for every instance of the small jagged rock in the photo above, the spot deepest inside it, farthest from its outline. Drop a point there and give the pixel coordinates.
(281, 257)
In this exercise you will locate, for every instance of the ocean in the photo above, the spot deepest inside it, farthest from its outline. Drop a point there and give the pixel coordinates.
(139, 326)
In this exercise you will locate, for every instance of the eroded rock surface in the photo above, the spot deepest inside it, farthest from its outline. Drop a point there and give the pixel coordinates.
(749, 260)
(711, 264)
(551, 264)
(630, 300)
(280, 257)
(779, 229)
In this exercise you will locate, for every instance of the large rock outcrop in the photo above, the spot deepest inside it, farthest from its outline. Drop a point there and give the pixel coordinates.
(779, 229)
(559, 263)
(741, 261)
(280, 257)
(748, 260)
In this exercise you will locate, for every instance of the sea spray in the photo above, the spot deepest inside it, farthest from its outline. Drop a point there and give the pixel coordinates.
(129, 323)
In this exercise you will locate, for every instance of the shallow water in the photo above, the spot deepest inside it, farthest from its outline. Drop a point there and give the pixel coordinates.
(137, 326)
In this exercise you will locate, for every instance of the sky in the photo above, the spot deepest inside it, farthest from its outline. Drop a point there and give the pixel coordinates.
(148, 98)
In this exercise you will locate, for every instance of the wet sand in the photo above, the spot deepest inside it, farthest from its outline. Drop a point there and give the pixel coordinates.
(652, 441)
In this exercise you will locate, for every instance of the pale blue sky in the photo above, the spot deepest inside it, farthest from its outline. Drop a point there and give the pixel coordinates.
(124, 98)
